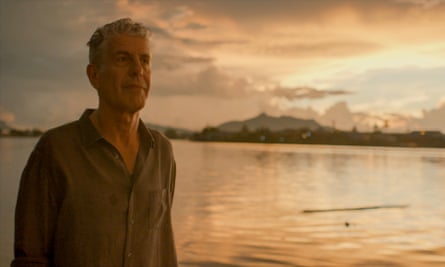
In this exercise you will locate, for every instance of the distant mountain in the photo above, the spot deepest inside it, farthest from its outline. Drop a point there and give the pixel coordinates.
(272, 123)
(4, 126)
(163, 129)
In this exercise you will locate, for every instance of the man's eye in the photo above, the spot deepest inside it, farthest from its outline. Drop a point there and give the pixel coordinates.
(122, 59)
(145, 61)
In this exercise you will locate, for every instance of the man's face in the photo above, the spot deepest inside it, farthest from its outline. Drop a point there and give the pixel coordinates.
(122, 78)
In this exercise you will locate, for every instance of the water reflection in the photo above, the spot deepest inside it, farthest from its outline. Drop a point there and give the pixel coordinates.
(240, 205)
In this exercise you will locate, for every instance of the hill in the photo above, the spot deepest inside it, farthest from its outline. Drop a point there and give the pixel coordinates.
(272, 123)
(170, 132)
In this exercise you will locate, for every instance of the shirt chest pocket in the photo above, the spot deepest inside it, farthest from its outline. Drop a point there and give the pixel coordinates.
(157, 208)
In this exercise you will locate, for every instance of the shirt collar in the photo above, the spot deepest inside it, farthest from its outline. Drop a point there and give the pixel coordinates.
(90, 135)
(145, 135)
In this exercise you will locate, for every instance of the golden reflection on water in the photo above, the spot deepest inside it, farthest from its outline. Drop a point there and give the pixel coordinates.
(241, 205)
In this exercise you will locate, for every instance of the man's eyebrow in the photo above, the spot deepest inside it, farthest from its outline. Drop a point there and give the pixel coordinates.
(123, 52)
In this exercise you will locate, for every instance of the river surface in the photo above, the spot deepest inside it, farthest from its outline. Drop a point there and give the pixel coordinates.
(242, 204)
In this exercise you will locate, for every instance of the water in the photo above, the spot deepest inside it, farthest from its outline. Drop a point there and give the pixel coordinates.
(241, 204)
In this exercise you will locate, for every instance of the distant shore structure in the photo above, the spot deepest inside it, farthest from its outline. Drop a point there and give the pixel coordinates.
(284, 129)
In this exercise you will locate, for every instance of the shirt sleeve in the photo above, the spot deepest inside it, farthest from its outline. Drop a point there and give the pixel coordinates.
(168, 251)
(36, 211)
(172, 182)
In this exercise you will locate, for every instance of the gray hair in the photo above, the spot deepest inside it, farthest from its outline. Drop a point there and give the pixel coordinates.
(125, 26)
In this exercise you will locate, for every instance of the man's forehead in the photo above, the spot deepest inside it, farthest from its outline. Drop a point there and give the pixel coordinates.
(129, 43)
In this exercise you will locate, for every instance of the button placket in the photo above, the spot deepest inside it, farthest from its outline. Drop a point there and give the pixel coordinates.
(119, 160)
(130, 222)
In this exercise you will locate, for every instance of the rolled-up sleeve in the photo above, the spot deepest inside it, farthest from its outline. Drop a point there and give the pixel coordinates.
(36, 211)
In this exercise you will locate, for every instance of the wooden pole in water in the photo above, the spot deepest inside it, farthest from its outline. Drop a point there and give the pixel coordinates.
(358, 208)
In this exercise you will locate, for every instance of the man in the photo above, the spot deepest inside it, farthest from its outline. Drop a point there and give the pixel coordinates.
(99, 191)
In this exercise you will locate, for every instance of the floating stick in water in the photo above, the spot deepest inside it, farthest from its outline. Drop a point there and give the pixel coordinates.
(359, 208)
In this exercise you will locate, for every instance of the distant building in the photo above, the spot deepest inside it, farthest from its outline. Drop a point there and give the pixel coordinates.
(427, 133)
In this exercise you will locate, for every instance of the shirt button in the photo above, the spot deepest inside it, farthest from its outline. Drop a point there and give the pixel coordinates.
(130, 254)
(132, 221)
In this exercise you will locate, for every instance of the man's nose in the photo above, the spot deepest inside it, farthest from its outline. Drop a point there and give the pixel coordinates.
(136, 67)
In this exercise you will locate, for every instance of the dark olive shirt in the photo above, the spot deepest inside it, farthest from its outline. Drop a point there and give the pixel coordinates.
(78, 205)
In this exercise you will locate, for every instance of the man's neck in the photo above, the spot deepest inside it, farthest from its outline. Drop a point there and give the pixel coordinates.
(119, 128)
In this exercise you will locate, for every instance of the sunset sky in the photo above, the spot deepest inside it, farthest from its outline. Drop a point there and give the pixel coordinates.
(356, 63)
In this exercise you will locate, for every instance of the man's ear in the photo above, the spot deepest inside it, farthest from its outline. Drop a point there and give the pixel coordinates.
(92, 73)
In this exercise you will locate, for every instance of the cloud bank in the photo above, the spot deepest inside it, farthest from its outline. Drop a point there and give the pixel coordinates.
(342, 62)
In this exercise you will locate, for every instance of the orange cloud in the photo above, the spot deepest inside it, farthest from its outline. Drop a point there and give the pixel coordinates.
(305, 93)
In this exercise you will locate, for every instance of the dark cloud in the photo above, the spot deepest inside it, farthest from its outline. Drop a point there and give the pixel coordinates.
(25, 66)
(43, 55)
(46, 40)
(199, 44)
(209, 81)
(423, 3)
(306, 93)
(261, 9)
(173, 13)
(174, 61)
(304, 11)
(192, 42)
(160, 32)
(195, 26)
(321, 49)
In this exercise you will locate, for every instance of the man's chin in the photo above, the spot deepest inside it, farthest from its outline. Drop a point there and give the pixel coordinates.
(136, 108)
(132, 107)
